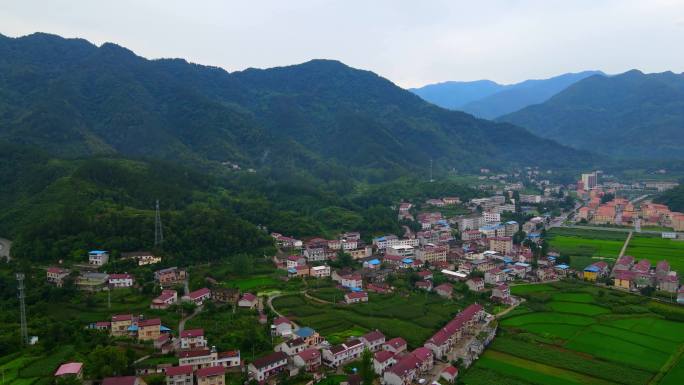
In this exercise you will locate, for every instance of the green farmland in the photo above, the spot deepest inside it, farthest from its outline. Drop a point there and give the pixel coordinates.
(415, 317)
(586, 243)
(574, 333)
(656, 249)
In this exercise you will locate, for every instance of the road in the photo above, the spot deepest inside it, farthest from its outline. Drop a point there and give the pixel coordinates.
(181, 323)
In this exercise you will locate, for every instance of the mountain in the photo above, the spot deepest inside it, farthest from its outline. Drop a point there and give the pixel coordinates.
(631, 115)
(517, 96)
(454, 95)
(74, 99)
(487, 99)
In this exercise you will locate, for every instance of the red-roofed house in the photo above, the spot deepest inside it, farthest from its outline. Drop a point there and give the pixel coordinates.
(70, 369)
(475, 284)
(56, 275)
(352, 281)
(179, 375)
(425, 358)
(281, 327)
(424, 285)
(623, 279)
(198, 296)
(445, 338)
(167, 298)
(383, 360)
(228, 359)
(449, 373)
(445, 290)
(395, 345)
(356, 297)
(340, 354)
(291, 346)
(149, 330)
(121, 280)
(213, 375)
(267, 366)
(403, 372)
(502, 293)
(120, 324)
(201, 358)
(248, 300)
(192, 339)
(373, 340)
(310, 359)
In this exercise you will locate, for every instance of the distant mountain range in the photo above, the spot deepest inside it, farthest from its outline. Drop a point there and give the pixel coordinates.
(631, 115)
(74, 99)
(487, 99)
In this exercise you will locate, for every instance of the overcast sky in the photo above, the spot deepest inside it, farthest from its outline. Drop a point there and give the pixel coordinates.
(410, 42)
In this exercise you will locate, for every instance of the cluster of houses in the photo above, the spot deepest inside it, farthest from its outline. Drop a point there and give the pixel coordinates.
(629, 274)
(620, 211)
(90, 279)
(303, 349)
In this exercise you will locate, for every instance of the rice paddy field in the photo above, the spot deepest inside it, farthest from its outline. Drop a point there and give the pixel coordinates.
(574, 333)
(656, 249)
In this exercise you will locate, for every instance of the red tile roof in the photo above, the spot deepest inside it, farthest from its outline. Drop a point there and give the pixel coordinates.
(199, 293)
(454, 325)
(383, 355)
(375, 335)
(422, 354)
(248, 297)
(396, 343)
(122, 317)
(309, 354)
(356, 294)
(194, 353)
(452, 370)
(127, 380)
(192, 333)
(210, 371)
(269, 359)
(405, 365)
(281, 320)
(149, 322)
(178, 370)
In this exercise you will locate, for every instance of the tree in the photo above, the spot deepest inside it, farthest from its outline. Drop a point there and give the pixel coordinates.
(367, 373)
(68, 380)
(106, 361)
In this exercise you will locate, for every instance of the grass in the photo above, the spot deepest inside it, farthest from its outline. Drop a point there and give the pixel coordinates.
(578, 308)
(587, 243)
(676, 375)
(45, 366)
(264, 281)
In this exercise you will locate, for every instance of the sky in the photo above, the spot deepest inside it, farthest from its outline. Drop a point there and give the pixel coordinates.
(411, 43)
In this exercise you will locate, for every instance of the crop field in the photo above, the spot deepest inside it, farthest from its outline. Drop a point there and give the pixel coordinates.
(27, 370)
(656, 249)
(414, 317)
(574, 333)
(586, 243)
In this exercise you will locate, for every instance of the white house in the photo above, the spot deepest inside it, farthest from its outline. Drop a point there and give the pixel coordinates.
(265, 367)
(343, 353)
(120, 280)
(98, 257)
(192, 339)
(320, 271)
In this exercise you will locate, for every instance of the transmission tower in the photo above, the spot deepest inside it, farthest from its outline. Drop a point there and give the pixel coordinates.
(158, 232)
(22, 308)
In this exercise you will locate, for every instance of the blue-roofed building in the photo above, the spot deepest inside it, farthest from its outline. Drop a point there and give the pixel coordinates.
(98, 257)
(304, 332)
(507, 260)
(562, 266)
(372, 264)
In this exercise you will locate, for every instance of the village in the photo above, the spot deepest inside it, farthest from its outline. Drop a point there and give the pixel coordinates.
(478, 249)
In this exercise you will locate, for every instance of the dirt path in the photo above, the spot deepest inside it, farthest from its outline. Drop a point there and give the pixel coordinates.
(181, 323)
(510, 309)
(624, 247)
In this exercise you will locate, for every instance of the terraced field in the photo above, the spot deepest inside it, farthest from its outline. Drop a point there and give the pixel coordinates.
(573, 333)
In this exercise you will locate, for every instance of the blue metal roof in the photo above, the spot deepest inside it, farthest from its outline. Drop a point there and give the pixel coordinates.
(523, 264)
(507, 259)
(164, 328)
(97, 252)
(292, 271)
(133, 328)
(511, 223)
(374, 262)
(304, 332)
(407, 260)
(563, 266)
(357, 289)
(592, 268)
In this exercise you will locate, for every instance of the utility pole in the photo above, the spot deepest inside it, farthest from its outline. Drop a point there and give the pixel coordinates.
(431, 180)
(22, 309)
(158, 231)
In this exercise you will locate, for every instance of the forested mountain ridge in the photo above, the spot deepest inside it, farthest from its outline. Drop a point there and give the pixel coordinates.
(72, 98)
(632, 115)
